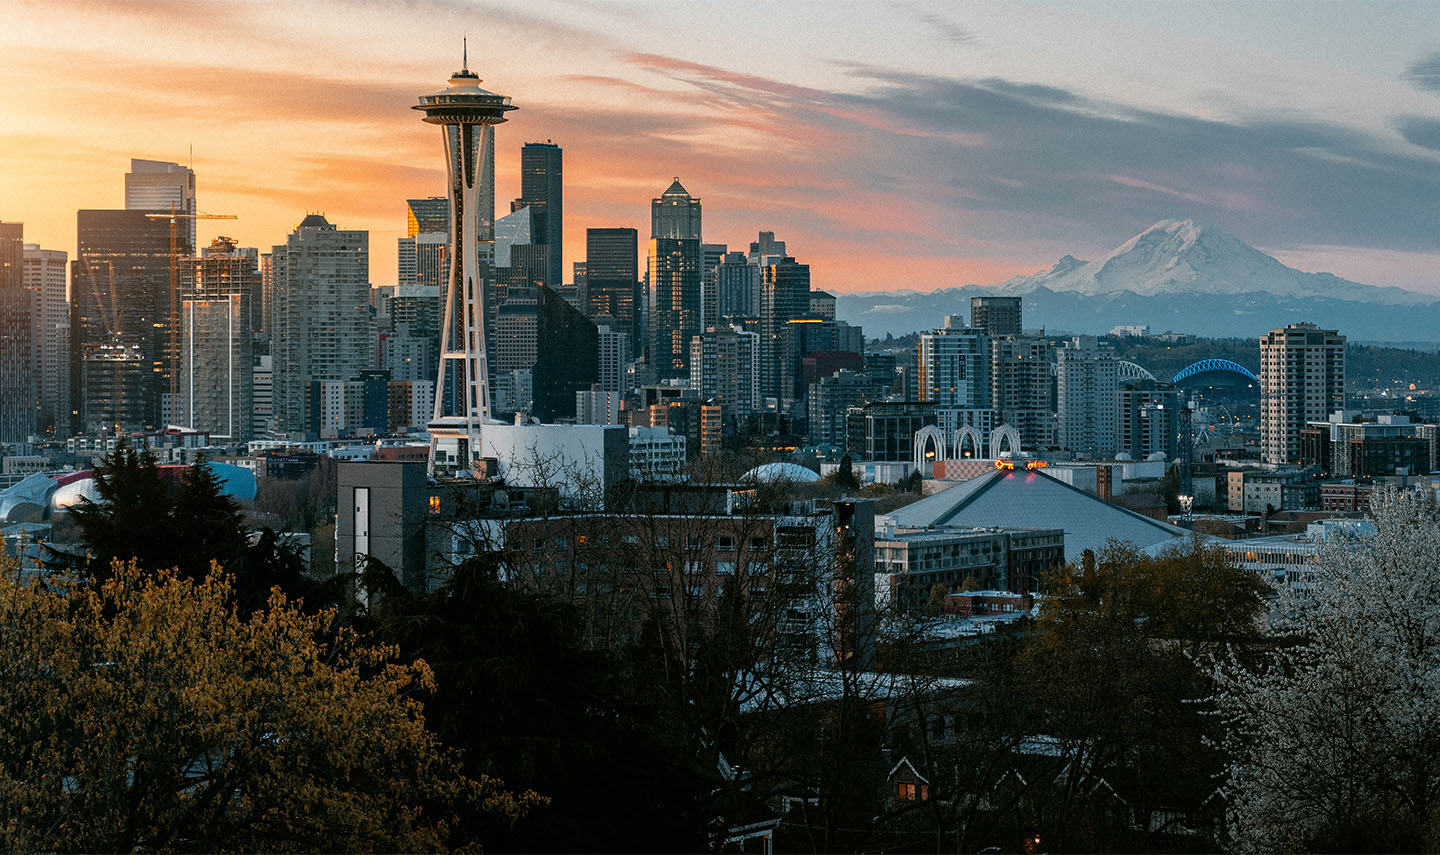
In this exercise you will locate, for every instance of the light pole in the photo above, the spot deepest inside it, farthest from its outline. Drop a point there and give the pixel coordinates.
(1186, 504)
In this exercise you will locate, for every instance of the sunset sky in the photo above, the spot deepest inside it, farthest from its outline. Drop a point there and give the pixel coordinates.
(893, 145)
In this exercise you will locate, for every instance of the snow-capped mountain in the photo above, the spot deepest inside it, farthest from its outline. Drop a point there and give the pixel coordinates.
(1185, 257)
(1175, 275)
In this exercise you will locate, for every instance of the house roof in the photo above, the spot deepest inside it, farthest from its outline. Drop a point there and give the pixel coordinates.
(1033, 499)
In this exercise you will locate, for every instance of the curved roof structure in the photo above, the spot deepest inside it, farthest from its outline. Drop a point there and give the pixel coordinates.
(1226, 373)
(1131, 371)
(767, 473)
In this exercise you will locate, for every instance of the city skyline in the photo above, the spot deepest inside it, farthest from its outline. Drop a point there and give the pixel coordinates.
(904, 147)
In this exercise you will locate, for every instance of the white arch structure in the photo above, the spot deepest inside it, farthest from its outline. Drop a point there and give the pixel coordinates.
(930, 438)
(1004, 438)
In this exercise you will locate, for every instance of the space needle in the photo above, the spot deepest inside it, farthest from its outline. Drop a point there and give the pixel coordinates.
(467, 116)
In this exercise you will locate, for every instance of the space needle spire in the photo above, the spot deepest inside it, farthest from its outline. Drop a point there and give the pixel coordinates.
(467, 116)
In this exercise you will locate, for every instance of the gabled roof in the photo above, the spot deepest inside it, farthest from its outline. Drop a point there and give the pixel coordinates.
(1033, 499)
(905, 761)
(676, 189)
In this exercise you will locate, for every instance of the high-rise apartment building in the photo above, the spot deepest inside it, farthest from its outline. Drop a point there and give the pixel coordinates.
(612, 278)
(1022, 388)
(711, 254)
(737, 287)
(954, 364)
(262, 397)
(45, 279)
(17, 383)
(1149, 418)
(157, 185)
(322, 318)
(1302, 379)
(674, 280)
(542, 187)
(120, 283)
(996, 316)
(613, 349)
(784, 297)
(1087, 400)
(724, 368)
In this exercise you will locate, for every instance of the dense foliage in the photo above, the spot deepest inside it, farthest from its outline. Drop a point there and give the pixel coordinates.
(144, 713)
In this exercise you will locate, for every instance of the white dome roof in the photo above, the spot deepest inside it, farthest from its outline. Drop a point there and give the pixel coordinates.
(771, 472)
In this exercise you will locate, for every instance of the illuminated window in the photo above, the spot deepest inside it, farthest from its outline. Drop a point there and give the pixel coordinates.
(434, 504)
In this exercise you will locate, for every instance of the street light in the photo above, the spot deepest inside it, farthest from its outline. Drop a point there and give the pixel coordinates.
(1186, 504)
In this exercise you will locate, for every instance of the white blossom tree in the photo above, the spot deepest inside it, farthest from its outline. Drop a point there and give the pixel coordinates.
(1334, 732)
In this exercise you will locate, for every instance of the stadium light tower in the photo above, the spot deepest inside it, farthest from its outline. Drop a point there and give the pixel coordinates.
(467, 116)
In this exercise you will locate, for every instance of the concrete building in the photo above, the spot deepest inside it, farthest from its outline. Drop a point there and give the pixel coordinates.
(1346, 447)
(1148, 419)
(954, 364)
(1302, 380)
(46, 280)
(1087, 397)
(656, 454)
(262, 397)
(613, 357)
(711, 255)
(1022, 387)
(322, 327)
(832, 398)
(909, 563)
(996, 316)
(725, 368)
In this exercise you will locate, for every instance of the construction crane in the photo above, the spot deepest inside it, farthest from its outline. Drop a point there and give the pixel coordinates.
(173, 356)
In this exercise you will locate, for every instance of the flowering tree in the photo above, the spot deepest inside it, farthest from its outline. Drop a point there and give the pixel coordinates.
(1335, 734)
(144, 713)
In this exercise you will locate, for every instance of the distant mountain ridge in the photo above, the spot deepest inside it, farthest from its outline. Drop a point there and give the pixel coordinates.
(1183, 256)
(1177, 274)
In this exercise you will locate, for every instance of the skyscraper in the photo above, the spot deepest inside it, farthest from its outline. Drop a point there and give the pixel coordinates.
(17, 383)
(322, 313)
(737, 286)
(467, 116)
(1087, 390)
(674, 280)
(1022, 389)
(1302, 379)
(955, 366)
(45, 279)
(711, 254)
(120, 283)
(784, 296)
(724, 365)
(612, 277)
(158, 185)
(542, 187)
(996, 316)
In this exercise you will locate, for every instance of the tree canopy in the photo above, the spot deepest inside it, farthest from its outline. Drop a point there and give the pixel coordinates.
(1335, 735)
(144, 713)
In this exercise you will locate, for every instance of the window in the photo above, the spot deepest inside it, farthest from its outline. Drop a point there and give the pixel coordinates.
(725, 568)
(726, 543)
(692, 542)
(907, 792)
(758, 543)
(629, 540)
(434, 504)
(562, 543)
(662, 541)
(538, 544)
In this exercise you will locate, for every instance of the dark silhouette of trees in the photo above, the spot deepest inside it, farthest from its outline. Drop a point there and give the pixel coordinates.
(184, 525)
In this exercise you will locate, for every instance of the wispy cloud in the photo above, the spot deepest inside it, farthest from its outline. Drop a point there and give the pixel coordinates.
(1425, 72)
